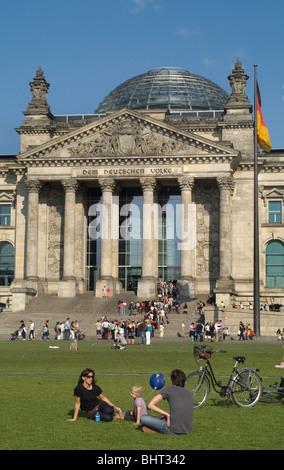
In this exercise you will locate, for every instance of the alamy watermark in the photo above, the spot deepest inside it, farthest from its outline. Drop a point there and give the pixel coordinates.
(144, 223)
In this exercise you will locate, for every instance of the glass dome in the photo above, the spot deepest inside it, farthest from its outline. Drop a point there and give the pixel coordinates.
(166, 88)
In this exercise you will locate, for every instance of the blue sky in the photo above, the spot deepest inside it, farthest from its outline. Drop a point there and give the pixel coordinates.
(87, 48)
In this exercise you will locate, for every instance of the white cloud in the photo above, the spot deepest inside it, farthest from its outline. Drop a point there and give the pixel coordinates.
(209, 61)
(140, 5)
(187, 32)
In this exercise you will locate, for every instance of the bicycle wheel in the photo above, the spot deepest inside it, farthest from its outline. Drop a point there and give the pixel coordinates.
(199, 384)
(246, 388)
(271, 396)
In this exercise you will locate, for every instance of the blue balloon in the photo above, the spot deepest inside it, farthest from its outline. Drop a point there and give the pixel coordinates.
(157, 381)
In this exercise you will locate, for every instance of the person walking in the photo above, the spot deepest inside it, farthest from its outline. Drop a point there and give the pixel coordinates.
(45, 332)
(23, 330)
(32, 331)
(241, 331)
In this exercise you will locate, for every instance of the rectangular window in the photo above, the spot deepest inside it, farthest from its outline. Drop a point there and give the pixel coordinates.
(5, 214)
(275, 212)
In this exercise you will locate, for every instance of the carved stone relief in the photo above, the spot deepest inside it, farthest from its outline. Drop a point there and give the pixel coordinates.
(55, 203)
(207, 231)
(131, 137)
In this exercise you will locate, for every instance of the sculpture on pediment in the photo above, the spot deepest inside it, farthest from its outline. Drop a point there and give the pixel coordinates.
(128, 137)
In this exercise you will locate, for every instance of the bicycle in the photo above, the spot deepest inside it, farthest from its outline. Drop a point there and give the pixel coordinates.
(243, 386)
(273, 393)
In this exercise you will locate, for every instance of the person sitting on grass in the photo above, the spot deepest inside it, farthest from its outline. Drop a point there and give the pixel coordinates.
(139, 406)
(74, 345)
(179, 419)
(119, 342)
(89, 397)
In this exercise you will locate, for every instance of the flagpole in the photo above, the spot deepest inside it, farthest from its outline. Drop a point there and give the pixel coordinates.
(256, 218)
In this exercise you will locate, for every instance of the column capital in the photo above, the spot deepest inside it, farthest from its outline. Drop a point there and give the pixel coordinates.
(34, 186)
(148, 184)
(70, 185)
(107, 184)
(186, 182)
(226, 182)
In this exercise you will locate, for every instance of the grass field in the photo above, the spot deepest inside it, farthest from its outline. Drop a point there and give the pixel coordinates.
(37, 385)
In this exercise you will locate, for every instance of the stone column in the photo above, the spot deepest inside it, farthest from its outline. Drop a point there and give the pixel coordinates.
(147, 284)
(34, 187)
(67, 288)
(25, 284)
(225, 282)
(70, 188)
(115, 238)
(81, 239)
(108, 236)
(188, 237)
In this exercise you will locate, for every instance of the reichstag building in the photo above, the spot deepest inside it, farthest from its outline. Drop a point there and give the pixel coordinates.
(156, 185)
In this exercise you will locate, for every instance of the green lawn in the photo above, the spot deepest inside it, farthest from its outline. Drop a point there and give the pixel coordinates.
(35, 406)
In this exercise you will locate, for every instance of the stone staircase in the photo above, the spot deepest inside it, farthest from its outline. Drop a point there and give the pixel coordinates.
(86, 309)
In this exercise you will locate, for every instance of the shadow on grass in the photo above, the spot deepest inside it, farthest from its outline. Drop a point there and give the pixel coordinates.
(81, 414)
(219, 402)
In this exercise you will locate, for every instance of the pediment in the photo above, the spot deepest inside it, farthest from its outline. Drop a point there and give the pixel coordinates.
(273, 194)
(7, 196)
(126, 133)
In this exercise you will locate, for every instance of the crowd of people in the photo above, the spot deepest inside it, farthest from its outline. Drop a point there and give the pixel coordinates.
(126, 331)
(144, 318)
(211, 300)
(211, 331)
(65, 330)
(151, 316)
(216, 331)
(245, 332)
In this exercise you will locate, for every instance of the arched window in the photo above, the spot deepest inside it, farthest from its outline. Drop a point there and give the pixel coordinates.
(7, 264)
(275, 264)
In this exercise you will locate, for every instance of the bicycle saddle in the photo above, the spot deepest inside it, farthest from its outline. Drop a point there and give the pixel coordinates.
(240, 359)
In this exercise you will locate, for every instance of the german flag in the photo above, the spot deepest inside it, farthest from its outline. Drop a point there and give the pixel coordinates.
(263, 139)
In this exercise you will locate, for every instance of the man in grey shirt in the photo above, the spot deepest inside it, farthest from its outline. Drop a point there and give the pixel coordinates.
(179, 420)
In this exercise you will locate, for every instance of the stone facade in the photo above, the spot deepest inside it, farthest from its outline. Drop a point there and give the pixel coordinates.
(209, 160)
